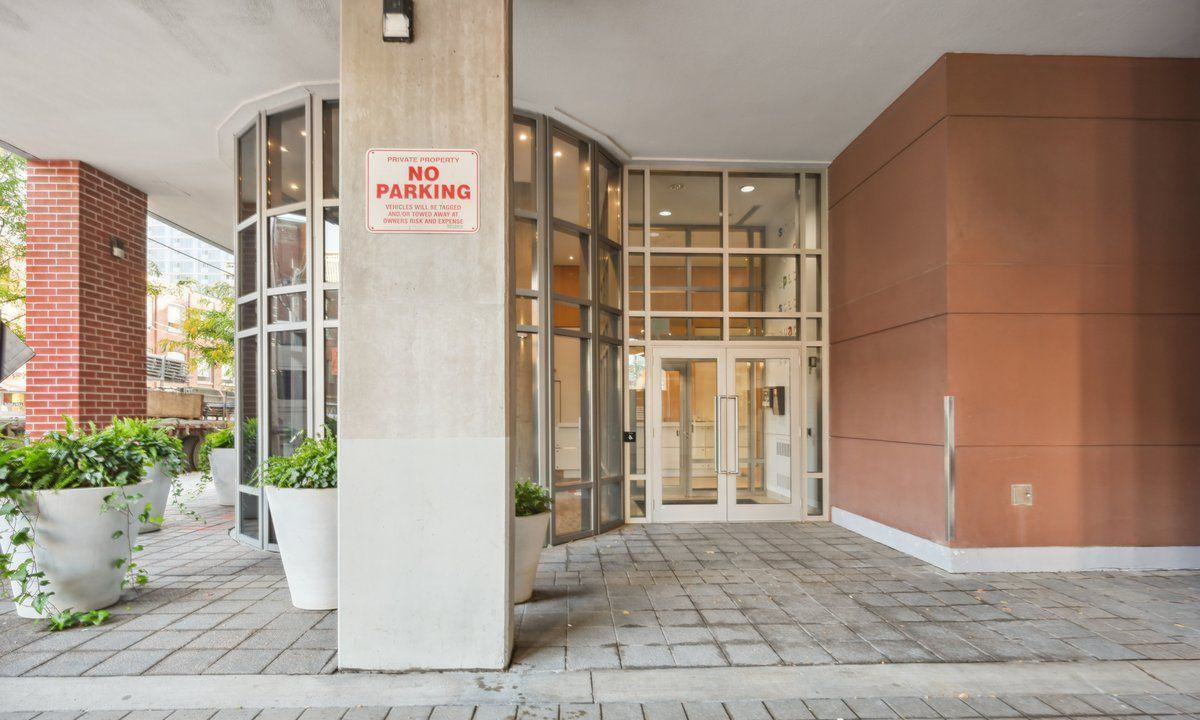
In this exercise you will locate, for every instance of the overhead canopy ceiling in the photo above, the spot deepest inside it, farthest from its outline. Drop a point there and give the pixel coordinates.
(140, 88)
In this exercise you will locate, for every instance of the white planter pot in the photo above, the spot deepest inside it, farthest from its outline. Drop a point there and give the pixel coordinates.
(223, 463)
(529, 537)
(74, 546)
(306, 527)
(160, 480)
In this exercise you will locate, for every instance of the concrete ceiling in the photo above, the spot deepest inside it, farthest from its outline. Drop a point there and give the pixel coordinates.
(139, 88)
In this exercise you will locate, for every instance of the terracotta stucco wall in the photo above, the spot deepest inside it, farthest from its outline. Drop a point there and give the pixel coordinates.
(1045, 274)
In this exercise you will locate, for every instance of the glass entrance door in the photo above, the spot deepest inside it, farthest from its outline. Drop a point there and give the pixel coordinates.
(724, 423)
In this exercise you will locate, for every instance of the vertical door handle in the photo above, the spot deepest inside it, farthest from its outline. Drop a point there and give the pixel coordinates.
(737, 450)
(717, 431)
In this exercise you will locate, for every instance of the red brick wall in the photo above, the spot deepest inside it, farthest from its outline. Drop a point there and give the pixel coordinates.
(86, 309)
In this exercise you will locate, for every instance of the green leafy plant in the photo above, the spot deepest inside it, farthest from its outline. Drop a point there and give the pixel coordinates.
(158, 445)
(65, 460)
(312, 466)
(531, 499)
(216, 440)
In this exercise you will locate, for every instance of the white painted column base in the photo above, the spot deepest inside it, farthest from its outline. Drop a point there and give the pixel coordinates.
(1021, 559)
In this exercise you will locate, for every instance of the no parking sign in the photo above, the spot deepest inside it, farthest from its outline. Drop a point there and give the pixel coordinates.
(422, 191)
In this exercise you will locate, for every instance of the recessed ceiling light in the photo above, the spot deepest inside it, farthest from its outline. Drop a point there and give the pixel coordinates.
(747, 188)
(665, 213)
(558, 153)
(294, 186)
(570, 257)
(303, 134)
(282, 149)
(522, 137)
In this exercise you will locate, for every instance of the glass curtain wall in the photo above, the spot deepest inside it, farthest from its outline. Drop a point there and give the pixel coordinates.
(287, 275)
(732, 258)
(568, 378)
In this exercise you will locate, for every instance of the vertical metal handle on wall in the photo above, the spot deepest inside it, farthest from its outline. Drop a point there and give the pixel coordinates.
(948, 463)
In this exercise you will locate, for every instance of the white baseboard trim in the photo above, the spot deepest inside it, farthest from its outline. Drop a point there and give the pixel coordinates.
(1021, 559)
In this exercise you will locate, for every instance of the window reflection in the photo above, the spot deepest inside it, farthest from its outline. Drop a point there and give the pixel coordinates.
(287, 364)
(287, 251)
(286, 157)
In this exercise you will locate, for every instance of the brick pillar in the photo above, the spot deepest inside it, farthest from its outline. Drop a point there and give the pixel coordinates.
(85, 307)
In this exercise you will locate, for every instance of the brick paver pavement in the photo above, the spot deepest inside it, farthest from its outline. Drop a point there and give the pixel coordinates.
(699, 595)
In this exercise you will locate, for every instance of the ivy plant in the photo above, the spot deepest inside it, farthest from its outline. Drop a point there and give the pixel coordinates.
(531, 499)
(66, 460)
(312, 466)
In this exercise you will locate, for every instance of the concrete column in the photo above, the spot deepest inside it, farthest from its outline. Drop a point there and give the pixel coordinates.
(425, 501)
(85, 305)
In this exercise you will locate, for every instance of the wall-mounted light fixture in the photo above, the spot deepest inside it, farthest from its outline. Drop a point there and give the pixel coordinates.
(116, 246)
(398, 20)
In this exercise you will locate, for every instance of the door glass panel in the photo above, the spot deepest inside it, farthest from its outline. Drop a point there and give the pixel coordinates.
(287, 364)
(287, 253)
(635, 383)
(572, 181)
(527, 311)
(248, 315)
(572, 511)
(571, 457)
(688, 434)
(609, 392)
(764, 423)
(813, 408)
(611, 507)
(685, 210)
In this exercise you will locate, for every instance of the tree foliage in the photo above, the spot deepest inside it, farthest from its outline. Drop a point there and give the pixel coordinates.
(12, 241)
(207, 330)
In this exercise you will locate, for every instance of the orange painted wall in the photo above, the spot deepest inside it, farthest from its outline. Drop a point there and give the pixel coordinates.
(1068, 288)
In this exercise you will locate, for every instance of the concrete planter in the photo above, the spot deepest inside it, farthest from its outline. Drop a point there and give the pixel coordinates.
(75, 548)
(529, 535)
(160, 479)
(222, 462)
(306, 527)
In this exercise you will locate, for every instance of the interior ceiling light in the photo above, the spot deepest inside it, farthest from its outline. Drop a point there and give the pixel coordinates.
(747, 188)
(522, 137)
(676, 186)
(665, 213)
(282, 149)
(558, 153)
